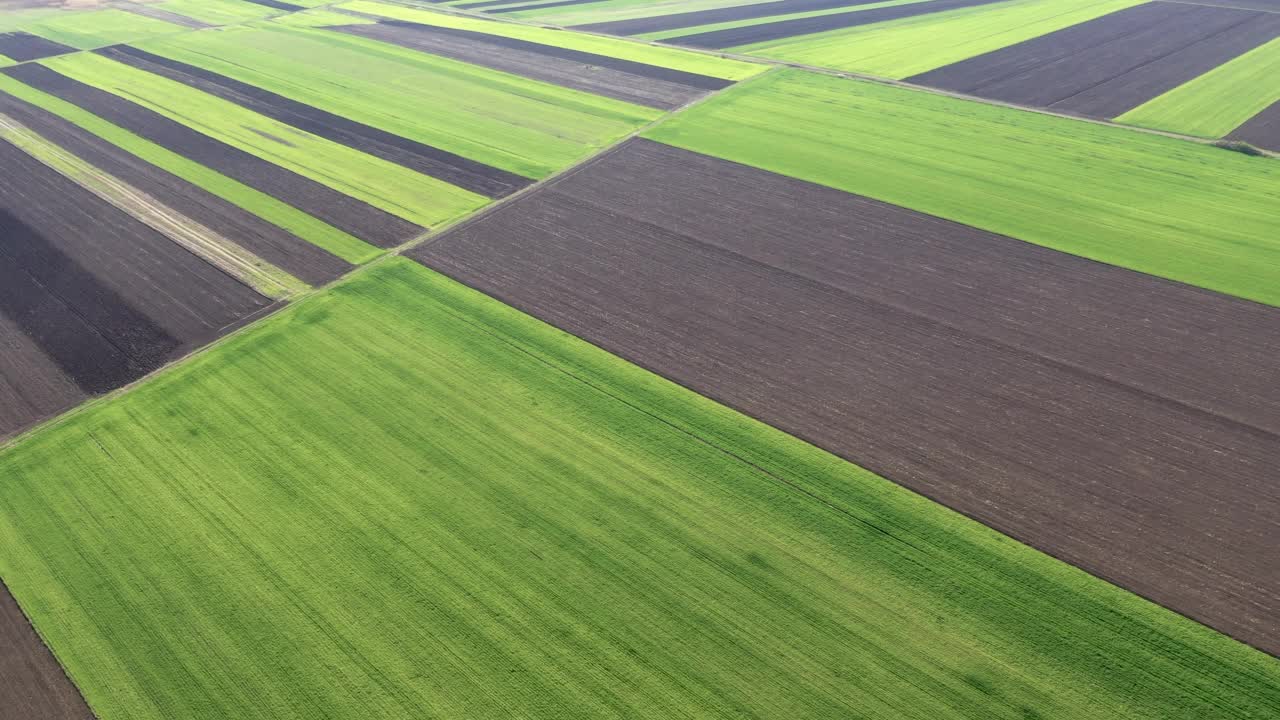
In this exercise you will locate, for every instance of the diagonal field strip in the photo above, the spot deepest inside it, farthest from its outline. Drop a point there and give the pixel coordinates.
(201, 241)
(503, 516)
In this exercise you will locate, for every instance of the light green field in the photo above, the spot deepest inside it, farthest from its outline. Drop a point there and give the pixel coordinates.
(218, 12)
(902, 48)
(693, 62)
(270, 209)
(381, 183)
(91, 29)
(1219, 101)
(1163, 206)
(404, 499)
(524, 126)
(680, 32)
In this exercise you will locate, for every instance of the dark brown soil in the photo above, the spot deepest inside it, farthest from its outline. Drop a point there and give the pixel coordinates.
(32, 683)
(341, 211)
(455, 169)
(1124, 423)
(733, 37)
(22, 46)
(99, 298)
(273, 244)
(279, 5)
(1262, 130)
(1112, 64)
(674, 21)
(588, 72)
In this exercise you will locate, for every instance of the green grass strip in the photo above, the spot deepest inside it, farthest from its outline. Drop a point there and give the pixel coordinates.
(381, 183)
(318, 18)
(1219, 101)
(270, 209)
(86, 30)
(700, 63)
(401, 498)
(909, 46)
(1159, 205)
(680, 32)
(514, 123)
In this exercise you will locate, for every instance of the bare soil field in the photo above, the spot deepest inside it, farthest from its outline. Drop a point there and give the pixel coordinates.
(1262, 130)
(659, 23)
(620, 79)
(733, 37)
(341, 211)
(290, 7)
(273, 244)
(452, 168)
(32, 684)
(23, 46)
(1108, 66)
(1124, 423)
(104, 298)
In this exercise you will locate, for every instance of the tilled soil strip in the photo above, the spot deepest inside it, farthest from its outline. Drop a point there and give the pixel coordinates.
(1121, 422)
(419, 157)
(276, 4)
(341, 211)
(1112, 64)
(23, 46)
(587, 74)
(277, 246)
(675, 21)
(733, 37)
(32, 683)
(1262, 130)
(273, 244)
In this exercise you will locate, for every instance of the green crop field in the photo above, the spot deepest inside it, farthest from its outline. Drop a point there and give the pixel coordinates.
(404, 499)
(269, 208)
(906, 47)
(1219, 101)
(90, 29)
(1158, 205)
(521, 125)
(218, 12)
(700, 63)
(381, 183)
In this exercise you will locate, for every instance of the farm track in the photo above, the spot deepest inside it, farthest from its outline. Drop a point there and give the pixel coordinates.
(158, 14)
(434, 162)
(619, 79)
(273, 244)
(352, 215)
(33, 685)
(1110, 65)
(1000, 378)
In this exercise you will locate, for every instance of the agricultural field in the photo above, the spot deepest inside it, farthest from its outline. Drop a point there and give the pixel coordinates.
(1161, 206)
(494, 512)
(368, 359)
(1027, 412)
